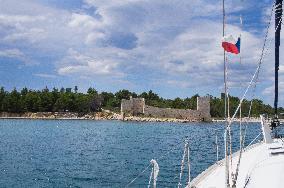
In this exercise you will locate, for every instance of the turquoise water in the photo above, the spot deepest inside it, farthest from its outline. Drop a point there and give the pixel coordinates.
(72, 153)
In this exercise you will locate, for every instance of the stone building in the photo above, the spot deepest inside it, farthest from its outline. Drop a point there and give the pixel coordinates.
(203, 107)
(133, 106)
(136, 106)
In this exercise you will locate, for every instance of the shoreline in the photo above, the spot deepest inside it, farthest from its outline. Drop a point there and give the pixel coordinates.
(249, 120)
(104, 115)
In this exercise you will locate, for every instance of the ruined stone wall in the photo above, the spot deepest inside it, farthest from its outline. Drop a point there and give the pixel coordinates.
(133, 106)
(136, 106)
(187, 114)
(126, 106)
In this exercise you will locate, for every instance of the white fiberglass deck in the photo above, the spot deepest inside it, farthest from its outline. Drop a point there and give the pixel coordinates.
(262, 166)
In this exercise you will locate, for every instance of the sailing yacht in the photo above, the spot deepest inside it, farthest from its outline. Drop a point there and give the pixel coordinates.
(257, 166)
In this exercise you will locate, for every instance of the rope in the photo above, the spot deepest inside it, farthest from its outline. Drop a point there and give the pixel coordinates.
(254, 139)
(255, 79)
(263, 53)
(182, 166)
(217, 147)
(188, 165)
(154, 173)
(150, 178)
(138, 176)
(185, 154)
(276, 6)
(280, 21)
(142, 172)
(255, 75)
(260, 61)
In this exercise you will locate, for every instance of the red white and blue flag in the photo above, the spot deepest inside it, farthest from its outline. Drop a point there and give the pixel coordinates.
(231, 45)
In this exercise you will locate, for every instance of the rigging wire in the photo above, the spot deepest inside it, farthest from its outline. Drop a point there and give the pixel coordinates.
(255, 78)
(255, 75)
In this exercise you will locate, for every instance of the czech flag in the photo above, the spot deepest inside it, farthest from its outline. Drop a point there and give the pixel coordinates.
(231, 45)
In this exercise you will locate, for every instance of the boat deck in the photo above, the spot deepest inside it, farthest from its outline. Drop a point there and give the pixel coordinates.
(262, 166)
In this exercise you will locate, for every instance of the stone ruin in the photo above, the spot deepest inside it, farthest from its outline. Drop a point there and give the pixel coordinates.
(136, 106)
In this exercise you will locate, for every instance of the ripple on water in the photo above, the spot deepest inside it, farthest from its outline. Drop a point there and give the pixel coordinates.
(42, 153)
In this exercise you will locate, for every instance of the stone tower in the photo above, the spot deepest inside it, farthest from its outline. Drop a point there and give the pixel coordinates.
(203, 106)
(133, 106)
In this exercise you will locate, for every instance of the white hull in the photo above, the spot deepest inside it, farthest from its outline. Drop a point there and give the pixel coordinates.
(261, 166)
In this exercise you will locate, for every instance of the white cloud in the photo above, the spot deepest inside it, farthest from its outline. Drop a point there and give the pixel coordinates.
(84, 21)
(270, 90)
(32, 35)
(16, 54)
(82, 64)
(281, 69)
(43, 75)
(18, 19)
(11, 53)
(94, 37)
(179, 40)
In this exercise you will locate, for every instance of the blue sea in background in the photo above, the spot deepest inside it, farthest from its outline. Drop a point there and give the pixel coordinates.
(81, 153)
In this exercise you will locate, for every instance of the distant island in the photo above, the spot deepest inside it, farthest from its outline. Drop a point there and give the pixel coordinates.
(69, 103)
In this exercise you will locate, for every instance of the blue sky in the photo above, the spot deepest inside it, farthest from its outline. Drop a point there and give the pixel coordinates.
(171, 47)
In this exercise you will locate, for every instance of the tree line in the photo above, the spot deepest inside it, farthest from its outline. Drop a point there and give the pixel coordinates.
(67, 99)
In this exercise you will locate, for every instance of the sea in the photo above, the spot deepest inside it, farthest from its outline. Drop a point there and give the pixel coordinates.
(84, 153)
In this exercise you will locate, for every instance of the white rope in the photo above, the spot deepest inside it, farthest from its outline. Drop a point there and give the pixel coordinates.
(188, 165)
(154, 173)
(241, 130)
(255, 79)
(150, 178)
(185, 154)
(255, 75)
(278, 9)
(276, 6)
(182, 166)
(217, 147)
(137, 176)
(142, 172)
(254, 139)
(264, 53)
(227, 183)
(280, 21)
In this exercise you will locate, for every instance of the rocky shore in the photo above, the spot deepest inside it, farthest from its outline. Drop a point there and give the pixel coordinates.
(151, 119)
(251, 120)
(104, 115)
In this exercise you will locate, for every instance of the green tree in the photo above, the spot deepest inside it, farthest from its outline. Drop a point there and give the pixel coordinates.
(123, 94)
(32, 102)
(46, 99)
(92, 91)
(12, 102)
(2, 97)
(178, 103)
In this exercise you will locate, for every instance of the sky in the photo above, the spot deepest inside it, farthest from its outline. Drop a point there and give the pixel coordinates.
(172, 47)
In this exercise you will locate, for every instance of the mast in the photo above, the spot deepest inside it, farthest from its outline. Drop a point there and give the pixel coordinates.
(227, 180)
(278, 23)
(225, 80)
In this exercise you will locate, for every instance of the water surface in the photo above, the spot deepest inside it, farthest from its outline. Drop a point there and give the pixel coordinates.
(73, 153)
